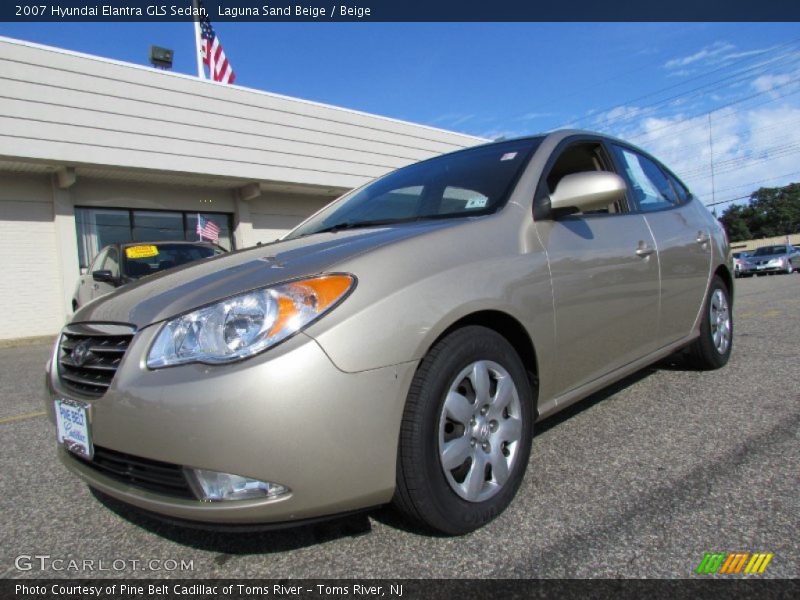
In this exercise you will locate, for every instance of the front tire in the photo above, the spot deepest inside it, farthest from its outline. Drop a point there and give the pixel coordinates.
(466, 433)
(713, 348)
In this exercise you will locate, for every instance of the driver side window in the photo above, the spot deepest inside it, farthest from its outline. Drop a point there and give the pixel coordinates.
(580, 158)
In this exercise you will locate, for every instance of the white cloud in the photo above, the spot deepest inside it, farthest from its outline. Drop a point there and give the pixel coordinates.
(712, 51)
(452, 119)
(536, 115)
(778, 84)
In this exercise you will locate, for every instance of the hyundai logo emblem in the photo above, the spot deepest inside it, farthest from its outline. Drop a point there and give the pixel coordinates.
(81, 353)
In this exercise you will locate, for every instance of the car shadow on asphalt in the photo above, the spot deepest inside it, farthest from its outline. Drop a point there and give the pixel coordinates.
(242, 542)
(245, 541)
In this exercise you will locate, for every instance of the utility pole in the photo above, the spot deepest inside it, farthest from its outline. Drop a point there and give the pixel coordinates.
(711, 162)
(197, 41)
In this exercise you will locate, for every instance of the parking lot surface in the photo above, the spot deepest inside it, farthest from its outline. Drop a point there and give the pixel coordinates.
(640, 480)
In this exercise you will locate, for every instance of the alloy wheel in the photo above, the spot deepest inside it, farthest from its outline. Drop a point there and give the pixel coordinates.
(720, 320)
(480, 428)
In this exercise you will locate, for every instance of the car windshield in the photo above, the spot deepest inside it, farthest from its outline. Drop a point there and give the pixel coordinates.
(148, 258)
(471, 182)
(768, 250)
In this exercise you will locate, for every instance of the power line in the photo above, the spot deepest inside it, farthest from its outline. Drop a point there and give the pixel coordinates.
(759, 181)
(739, 101)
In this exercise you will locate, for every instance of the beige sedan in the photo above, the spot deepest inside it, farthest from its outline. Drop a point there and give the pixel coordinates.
(399, 345)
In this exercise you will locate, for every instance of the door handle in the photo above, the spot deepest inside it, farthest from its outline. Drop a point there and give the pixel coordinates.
(95, 286)
(644, 250)
(702, 237)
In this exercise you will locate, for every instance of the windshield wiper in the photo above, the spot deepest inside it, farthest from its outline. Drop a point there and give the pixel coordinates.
(358, 224)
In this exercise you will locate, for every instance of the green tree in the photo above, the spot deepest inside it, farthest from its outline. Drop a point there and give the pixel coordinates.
(735, 224)
(771, 212)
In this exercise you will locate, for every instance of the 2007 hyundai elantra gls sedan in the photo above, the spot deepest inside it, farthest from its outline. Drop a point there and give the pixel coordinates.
(397, 346)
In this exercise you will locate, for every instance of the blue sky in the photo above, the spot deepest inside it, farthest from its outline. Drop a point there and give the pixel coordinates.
(653, 83)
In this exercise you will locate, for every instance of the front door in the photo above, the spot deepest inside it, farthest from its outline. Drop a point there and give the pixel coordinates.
(604, 270)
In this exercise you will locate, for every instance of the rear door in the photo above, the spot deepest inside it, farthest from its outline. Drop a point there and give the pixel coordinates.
(604, 272)
(682, 235)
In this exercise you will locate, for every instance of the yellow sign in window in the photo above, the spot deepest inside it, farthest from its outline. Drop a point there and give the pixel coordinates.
(141, 251)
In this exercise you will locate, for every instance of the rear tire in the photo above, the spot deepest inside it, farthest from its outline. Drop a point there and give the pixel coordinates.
(464, 447)
(713, 348)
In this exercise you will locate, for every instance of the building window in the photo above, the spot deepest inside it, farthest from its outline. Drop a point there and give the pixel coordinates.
(149, 226)
(98, 227)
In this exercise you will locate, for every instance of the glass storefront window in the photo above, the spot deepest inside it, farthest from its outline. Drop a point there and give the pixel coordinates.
(98, 227)
(149, 226)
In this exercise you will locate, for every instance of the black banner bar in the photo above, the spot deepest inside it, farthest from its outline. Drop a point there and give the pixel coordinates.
(406, 589)
(404, 10)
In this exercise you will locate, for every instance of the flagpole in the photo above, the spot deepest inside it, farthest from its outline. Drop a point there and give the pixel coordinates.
(198, 53)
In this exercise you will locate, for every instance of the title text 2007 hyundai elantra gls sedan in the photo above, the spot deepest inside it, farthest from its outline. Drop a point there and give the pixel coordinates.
(398, 345)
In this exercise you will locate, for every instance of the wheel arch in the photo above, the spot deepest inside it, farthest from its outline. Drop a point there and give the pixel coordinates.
(724, 273)
(512, 330)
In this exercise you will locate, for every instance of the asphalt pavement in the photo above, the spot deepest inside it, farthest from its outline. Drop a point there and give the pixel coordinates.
(640, 480)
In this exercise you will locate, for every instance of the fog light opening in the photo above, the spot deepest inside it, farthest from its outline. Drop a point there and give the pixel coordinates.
(213, 486)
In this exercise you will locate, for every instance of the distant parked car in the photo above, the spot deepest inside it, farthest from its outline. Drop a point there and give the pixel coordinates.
(738, 263)
(118, 264)
(782, 258)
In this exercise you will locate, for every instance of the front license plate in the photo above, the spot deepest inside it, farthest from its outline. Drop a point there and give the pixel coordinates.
(72, 427)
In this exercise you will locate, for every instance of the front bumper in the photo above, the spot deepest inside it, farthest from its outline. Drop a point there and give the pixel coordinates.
(758, 269)
(287, 415)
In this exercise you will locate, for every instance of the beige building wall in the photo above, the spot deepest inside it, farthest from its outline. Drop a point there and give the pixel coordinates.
(793, 239)
(78, 109)
(31, 300)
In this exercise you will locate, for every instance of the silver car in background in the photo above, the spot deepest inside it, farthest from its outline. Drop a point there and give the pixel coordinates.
(399, 345)
(779, 258)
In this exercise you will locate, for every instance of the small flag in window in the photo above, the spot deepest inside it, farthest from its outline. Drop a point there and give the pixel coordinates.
(207, 229)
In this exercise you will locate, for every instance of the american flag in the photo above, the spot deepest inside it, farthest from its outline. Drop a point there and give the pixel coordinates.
(219, 68)
(207, 229)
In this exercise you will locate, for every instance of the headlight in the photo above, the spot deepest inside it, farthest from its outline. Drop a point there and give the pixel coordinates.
(246, 324)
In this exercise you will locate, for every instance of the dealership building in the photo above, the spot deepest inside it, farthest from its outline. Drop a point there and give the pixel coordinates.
(95, 151)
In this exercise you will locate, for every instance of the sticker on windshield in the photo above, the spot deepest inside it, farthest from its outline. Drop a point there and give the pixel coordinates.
(141, 251)
(509, 156)
(476, 203)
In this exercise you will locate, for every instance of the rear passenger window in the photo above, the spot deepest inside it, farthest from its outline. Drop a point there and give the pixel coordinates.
(650, 187)
(680, 189)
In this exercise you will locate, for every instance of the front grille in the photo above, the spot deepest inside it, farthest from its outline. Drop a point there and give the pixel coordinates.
(90, 354)
(153, 475)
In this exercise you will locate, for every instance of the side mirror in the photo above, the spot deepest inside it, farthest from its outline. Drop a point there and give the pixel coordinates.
(104, 276)
(588, 191)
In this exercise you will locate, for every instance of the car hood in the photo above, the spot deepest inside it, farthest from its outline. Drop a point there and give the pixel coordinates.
(766, 257)
(183, 289)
